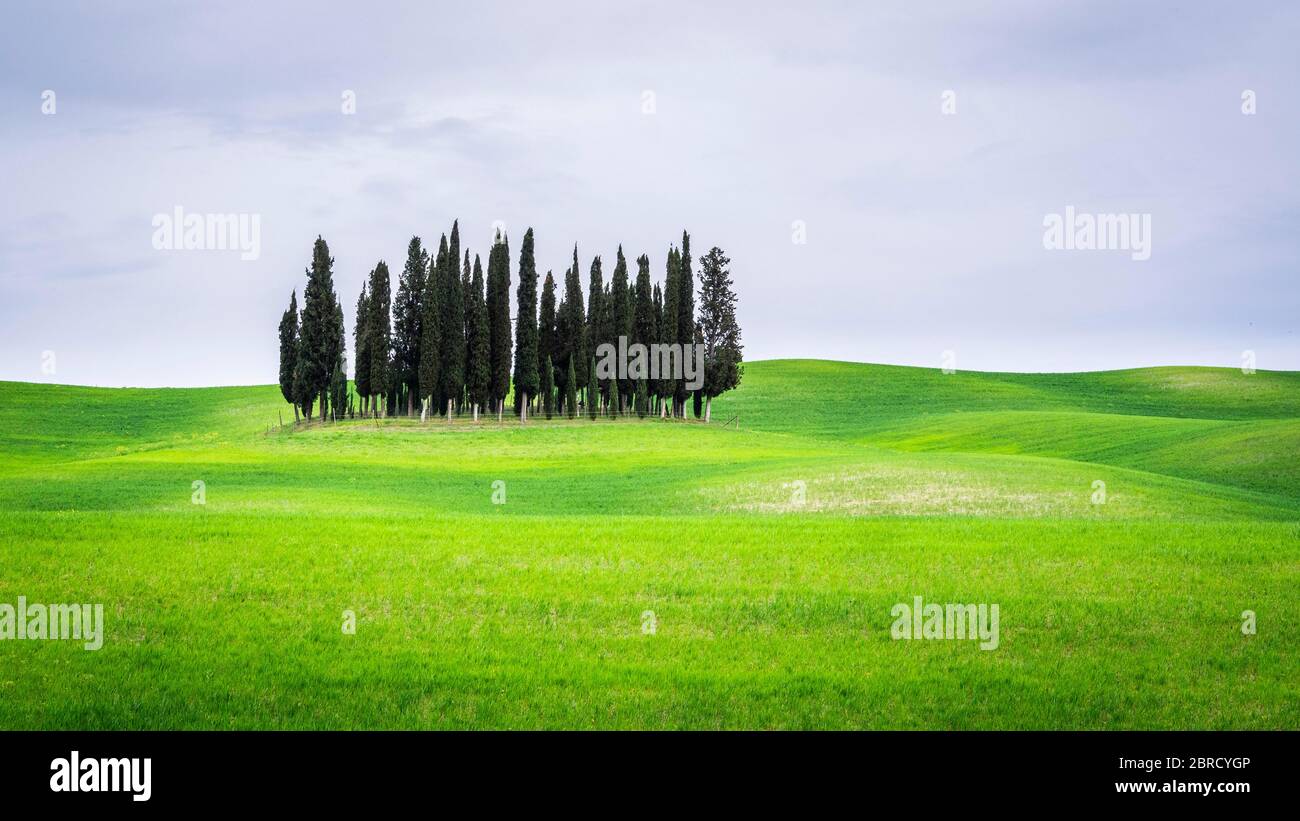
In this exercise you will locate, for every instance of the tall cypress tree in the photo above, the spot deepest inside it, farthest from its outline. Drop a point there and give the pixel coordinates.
(407, 316)
(339, 377)
(659, 386)
(498, 308)
(546, 342)
(595, 322)
(593, 390)
(379, 337)
(451, 299)
(723, 360)
(668, 326)
(289, 352)
(430, 367)
(479, 368)
(643, 329)
(620, 314)
(527, 372)
(571, 393)
(548, 388)
(360, 349)
(685, 311)
(317, 334)
(575, 346)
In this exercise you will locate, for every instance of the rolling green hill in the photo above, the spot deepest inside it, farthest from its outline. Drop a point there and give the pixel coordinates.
(769, 554)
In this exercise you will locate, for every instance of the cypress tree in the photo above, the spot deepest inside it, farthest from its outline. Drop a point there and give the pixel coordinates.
(451, 299)
(479, 368)
(659, 385)
(548, 388)
(620, 313)
(527, 377)
(289, 352)
(575, 345)
(317, 334)
(360, 351)
(431, 336)
(339, 376)
(595, 320)
(379, 336)
(615, 409)
(593, 390)
(546, 336)
(685, 310)
(723, 361)
(643, 329)
(571, 394)
(642, 398)
(668, 326)
(407, 316)
(498, 308)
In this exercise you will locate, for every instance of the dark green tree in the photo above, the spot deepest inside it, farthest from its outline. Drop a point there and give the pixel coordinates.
(527, 371)
(548, 388)
(498, 308)
(317, 333)
(379, 337)
(615, 408)
(571, 393)
(723, 361)
(575, 343)
(431, 335)
(620, 314)
(595, 324)
(668, 328)
(451, 300)
(407, 317)
(593, 390)
(685, 311)
(546, 333)
(360, 349)
(289, 352)
(478, 371)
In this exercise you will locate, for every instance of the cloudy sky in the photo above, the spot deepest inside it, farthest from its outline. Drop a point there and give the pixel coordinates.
(624, 123)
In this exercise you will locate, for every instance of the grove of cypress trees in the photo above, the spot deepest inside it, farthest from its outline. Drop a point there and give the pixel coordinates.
(527, 377)
(407, 316)
(289, 352)
(379, 337)
(478, 371)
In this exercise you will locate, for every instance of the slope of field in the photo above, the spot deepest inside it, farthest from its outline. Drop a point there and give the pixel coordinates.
(660, 574)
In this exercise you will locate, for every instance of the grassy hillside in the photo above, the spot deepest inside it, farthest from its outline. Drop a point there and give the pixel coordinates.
(769, 555)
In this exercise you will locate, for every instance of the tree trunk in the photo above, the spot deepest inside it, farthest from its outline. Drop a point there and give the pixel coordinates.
(501, 409)
(410, 403)
(476, 412)
(708, 407)
(523, 411)
(295, 414)
(449, 411)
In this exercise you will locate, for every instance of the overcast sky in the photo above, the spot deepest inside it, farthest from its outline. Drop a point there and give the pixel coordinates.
(924, 229)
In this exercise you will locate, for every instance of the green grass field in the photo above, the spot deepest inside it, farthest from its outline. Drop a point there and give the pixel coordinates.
(770, 611)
